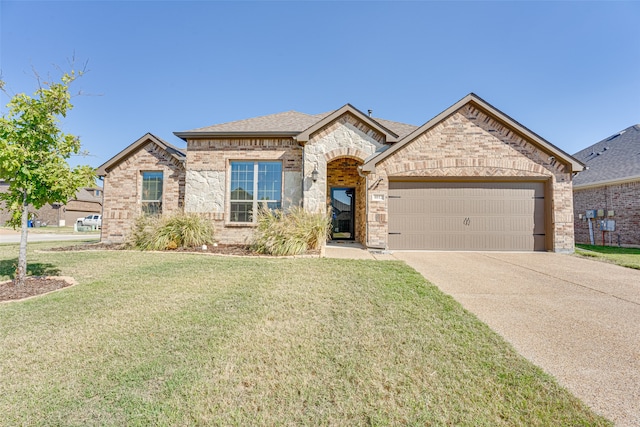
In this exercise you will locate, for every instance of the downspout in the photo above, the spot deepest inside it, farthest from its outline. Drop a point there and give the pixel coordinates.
(101, 178)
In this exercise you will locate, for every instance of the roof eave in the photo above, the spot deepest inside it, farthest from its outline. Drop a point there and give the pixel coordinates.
(200, 135)
(476, 101)
(614, 181)
(103, 169)
(304, 136)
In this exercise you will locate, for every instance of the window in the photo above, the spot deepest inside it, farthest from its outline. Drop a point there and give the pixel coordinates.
(253, 183)
(152, 193)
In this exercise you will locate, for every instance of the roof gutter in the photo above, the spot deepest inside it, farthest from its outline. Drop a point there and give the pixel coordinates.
(615, 181)
(199, 135)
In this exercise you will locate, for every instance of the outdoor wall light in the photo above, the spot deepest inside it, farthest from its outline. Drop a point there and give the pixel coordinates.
(315, 173)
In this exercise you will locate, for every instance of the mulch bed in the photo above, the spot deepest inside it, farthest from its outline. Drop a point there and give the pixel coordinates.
(235, 250)
(41, 285)
(33, 286)
(238, 250)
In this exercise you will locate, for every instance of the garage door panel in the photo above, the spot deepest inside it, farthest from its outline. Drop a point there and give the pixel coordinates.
(466, 216)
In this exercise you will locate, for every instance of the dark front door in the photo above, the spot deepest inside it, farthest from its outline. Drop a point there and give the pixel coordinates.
(343, 213)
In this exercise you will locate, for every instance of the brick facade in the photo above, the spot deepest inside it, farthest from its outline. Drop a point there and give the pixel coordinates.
(207, 192)
(123, 185)
(343, 172)
(467, 143)
(471, 145)
(623, 199)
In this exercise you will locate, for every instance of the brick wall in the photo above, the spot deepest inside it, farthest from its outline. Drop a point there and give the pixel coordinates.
(123, 184)
(470, 144)
(213, 154)
(207, 191)
(343, 172)
(623, 200)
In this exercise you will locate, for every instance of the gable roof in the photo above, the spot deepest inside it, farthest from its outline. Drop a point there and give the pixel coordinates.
(490, 110)
(295, 124)
(390, 136)
(616, 158)
(87, 194)
(175, 152)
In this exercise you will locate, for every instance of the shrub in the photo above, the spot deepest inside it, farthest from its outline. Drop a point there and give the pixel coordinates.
(171, 232)
(291, 233)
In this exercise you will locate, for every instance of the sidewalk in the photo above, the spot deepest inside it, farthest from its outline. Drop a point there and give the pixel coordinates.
(352, 250)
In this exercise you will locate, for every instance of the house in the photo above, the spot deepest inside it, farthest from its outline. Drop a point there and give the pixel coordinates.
(88, 200)
(471, 178)
(608, 191)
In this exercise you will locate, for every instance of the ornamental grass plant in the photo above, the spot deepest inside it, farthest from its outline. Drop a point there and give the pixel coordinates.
(180, 230)
(290, 233)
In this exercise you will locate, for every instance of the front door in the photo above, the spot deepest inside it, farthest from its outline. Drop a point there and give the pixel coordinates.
(343, 213)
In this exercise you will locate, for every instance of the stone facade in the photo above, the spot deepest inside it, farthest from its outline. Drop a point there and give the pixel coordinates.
(207, 192)
(346, 137)
(623, 200)
(471, 145)
(467, 142)
(123, 185)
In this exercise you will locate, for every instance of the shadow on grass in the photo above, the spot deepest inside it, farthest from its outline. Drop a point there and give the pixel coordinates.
(610, 249)
(8, 268)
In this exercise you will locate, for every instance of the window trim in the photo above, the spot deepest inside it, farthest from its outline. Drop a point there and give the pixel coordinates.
(143, 201)
(254, 201)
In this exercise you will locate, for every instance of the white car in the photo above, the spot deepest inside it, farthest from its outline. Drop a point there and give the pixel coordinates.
(91, 220)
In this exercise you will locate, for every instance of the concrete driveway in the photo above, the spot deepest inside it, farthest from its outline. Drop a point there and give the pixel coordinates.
(577, 319)
(10, 236)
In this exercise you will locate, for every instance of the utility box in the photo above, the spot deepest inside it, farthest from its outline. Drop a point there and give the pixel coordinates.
(590, 214)
(607, 225)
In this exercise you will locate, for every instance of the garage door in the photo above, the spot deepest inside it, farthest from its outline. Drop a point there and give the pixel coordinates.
(466, 215)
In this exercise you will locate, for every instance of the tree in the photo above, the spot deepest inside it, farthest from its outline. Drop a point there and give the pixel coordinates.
(33, 156)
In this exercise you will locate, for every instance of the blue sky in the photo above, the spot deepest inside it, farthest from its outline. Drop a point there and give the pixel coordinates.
(569, 71)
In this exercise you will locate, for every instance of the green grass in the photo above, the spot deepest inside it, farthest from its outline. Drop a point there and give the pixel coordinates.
(178, 339)
(626, 257)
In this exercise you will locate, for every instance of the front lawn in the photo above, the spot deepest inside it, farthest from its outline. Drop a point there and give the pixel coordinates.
(180, 339)
(626, 257)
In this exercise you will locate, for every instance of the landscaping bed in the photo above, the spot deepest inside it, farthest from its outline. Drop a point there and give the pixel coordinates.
(33, 286)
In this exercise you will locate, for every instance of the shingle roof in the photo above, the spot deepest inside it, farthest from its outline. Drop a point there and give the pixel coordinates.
(402, 129)
(612, 159)
(178, 153)
(87, 194)
(288, 122)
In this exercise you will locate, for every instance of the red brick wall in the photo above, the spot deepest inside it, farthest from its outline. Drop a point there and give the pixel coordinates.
(343, 172)
(123, 184)
(214, 155)
(469, 144)
(623, 200)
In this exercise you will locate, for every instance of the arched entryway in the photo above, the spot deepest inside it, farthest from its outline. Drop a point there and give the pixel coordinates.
(346, 197)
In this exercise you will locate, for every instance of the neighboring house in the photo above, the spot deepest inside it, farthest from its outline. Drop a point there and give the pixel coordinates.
(88, 201)
(610, 186)
(471, 178)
